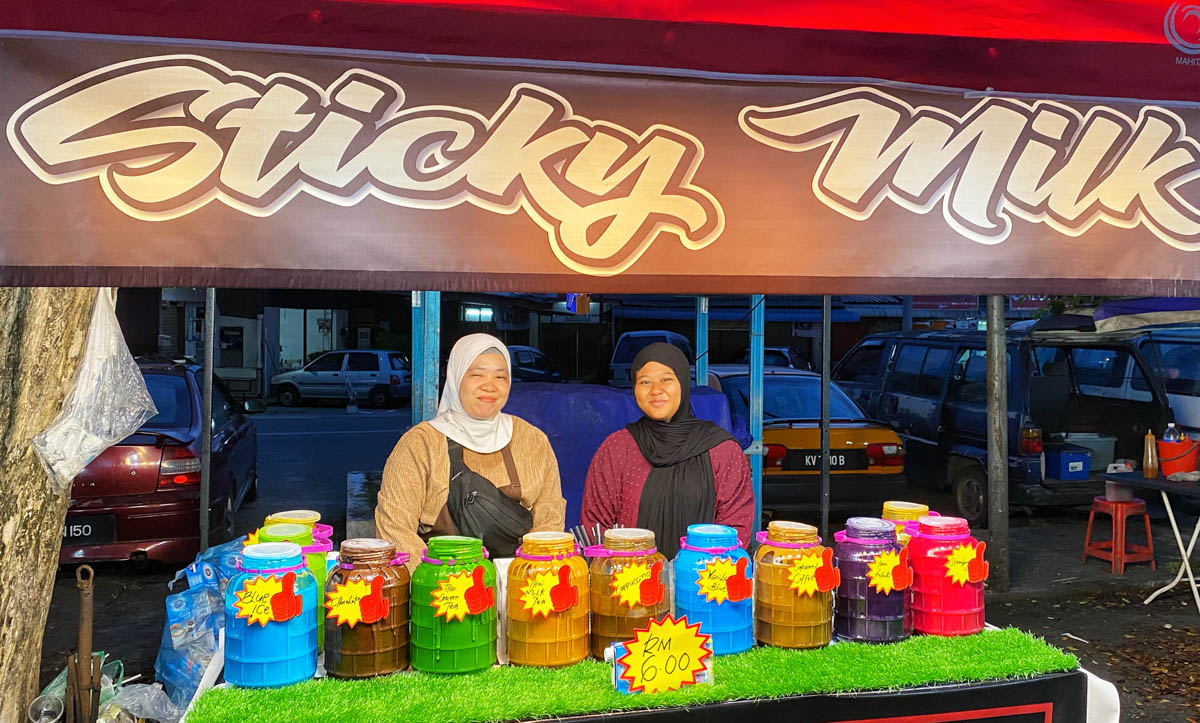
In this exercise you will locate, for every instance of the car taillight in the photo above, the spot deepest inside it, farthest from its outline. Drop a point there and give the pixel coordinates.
(394, 379)
(1031, 440)
(775, 455)
(885, 455)
(178, 467)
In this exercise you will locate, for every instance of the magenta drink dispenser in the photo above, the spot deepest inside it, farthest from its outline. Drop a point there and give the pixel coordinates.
(872, 602)
(949, 569)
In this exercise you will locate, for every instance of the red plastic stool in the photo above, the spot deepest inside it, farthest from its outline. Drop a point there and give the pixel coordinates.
(1116, 550)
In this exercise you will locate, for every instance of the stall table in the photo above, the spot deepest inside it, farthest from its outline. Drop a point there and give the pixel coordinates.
(1164, 486)
(1005, 675)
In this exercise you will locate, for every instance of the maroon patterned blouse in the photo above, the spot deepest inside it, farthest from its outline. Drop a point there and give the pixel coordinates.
(618, 472)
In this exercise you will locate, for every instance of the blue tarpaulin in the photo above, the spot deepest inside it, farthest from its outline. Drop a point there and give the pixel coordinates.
(1154, 311)
(578, 417)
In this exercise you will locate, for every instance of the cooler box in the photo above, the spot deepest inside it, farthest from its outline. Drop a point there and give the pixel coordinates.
(1068, 462)
(1102, 446)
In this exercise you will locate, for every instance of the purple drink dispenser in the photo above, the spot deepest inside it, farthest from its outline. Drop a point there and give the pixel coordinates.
(861, 612)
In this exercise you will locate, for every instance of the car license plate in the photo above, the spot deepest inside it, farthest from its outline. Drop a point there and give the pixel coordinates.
(810, 459)
(88, 530)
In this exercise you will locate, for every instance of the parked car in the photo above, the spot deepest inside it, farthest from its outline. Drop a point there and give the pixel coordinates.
(139, 499)
(380, 376)
(631, 342)
(1064, 388)
(529, 364)
(866, 458)
(783, 357)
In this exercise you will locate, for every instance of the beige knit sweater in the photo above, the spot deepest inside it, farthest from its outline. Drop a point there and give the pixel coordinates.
(416, 480)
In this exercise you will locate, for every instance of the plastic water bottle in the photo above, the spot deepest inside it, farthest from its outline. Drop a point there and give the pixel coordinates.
(1171, 434)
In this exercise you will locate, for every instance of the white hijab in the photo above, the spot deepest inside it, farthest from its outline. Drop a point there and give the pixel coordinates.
(478, 435)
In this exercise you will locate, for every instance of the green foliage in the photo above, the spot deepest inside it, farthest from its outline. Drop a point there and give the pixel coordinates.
(508, 693)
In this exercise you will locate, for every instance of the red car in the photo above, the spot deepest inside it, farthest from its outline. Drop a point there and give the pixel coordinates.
(139, 499)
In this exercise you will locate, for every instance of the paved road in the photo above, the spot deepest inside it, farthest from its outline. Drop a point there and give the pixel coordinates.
(304, 454)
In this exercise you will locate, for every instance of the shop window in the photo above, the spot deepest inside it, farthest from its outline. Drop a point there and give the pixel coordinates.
(231, 347)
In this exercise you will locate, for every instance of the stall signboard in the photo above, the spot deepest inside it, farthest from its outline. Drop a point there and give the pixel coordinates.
(130, 163)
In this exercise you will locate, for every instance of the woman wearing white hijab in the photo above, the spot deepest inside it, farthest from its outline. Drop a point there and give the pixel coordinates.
(472, 469)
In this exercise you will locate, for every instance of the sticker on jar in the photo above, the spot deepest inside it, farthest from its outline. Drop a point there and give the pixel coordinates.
(965, 564)
(264, 600)
(721, 580)
(357, 601)
(890, 571)
(813, 572)
(462, 594)
(636, 584)
(549, 592)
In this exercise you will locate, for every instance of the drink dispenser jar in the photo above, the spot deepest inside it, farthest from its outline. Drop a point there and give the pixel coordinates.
(902, 512)
(872, 603)
(453, 607)
(270, 624)
(314, 555)
(548, 601)
(949, 567)
(793, 591)
(713, 586)
(629, 586)
(366, 610)
(308, 518)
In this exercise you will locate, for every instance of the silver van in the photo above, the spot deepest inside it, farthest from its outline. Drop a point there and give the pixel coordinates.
(381, 377)
(631, 342)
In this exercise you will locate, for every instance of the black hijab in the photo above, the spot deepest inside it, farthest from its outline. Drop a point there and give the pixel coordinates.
(680, 489)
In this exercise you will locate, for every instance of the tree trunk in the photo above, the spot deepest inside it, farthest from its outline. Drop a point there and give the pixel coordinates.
(42, 336)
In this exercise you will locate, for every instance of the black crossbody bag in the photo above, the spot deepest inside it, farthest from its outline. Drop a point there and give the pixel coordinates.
(480, 509)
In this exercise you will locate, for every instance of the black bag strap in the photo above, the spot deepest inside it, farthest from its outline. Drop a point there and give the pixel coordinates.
(458, 467)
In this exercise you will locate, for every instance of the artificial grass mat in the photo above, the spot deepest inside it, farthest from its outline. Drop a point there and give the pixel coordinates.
(512, 693)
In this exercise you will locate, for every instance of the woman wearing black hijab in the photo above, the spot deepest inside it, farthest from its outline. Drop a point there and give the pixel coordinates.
(668, 469)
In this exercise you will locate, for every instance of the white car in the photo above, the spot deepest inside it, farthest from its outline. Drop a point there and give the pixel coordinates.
(380, 376)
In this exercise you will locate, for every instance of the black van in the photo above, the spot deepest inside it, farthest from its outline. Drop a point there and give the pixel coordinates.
(1092, 391)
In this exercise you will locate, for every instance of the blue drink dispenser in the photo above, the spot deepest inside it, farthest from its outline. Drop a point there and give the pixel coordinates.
(724, 608)
(271, 611)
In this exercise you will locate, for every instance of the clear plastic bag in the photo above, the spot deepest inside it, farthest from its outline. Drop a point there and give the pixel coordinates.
(107, 403)
(146, 702)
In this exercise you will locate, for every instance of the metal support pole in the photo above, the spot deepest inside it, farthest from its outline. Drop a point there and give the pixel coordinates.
(906, 319)
(997, 416)
(431, 348)
(701, 341)
(426, 348)
(206, 430)
(758, 319)
(826, 335)
(418, 370)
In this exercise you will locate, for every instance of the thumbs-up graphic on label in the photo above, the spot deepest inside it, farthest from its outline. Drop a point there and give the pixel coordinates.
(374, 607)
(651, 590)
(828, 576)
(977, 569)
(738, 584)
(564, 595)
(285, 604)
(902, 574)
(479, 597)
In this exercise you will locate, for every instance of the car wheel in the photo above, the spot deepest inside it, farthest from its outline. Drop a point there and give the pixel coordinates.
(289, 396)
(223, 523)
(252, 492)
(970, 494)
(380, 398)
